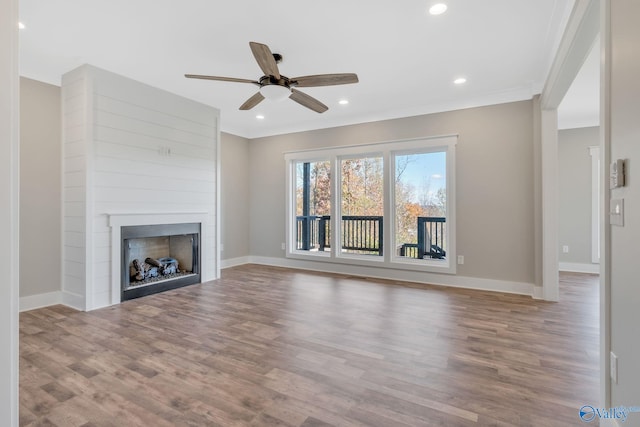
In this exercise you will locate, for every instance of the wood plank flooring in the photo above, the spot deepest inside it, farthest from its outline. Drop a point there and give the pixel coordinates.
(267, 346)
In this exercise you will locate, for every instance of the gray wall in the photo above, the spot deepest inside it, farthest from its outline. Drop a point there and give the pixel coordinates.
(495, 183)
(625, 136)
(574, 181)
(40, 198)
(495, 202)
(234, 194)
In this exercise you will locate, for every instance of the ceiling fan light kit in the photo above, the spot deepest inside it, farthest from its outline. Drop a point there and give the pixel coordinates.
(276, 87)
(275, 92)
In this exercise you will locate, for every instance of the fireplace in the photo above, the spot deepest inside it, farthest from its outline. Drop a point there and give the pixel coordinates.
(156, 258)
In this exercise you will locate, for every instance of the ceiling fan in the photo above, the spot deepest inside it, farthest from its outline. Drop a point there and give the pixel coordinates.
(275, 86)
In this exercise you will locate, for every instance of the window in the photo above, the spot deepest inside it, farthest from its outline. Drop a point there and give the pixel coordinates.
(362, 205)
(313, 205)
(391, 204)
(420, 202)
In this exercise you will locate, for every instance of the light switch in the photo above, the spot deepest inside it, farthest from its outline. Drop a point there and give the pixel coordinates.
(616, 212)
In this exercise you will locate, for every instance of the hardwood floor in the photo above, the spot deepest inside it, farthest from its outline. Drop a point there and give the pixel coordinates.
(267, 346)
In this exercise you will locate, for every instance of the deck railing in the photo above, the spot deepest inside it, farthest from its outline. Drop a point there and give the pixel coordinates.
(360, 234)
(431, 239)
(364, 235)
(313, 232)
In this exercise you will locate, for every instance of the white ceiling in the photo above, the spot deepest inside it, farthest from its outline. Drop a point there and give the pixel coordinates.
(405, 58)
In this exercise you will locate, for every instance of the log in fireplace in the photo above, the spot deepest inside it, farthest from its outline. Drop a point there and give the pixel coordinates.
(156, 258)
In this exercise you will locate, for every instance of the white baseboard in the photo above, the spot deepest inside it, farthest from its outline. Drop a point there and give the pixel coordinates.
(52, 298)
(234, 262)
(403, 275)
(538, 292)
(32, 302)
(575, 267)
(73, 300)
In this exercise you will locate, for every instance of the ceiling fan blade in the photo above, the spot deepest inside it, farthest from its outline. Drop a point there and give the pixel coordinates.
(265, 59)
(252, 102)
(223, 79)
(308, 101)
(325, 80)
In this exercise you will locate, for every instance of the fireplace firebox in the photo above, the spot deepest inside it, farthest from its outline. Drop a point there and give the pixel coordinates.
(156, 258)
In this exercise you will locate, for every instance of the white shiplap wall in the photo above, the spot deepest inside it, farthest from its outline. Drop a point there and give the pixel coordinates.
(130, 149)
(75, 129)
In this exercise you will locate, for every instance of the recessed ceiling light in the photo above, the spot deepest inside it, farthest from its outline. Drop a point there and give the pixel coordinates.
(343, 102)
(460, 81)
(260, 117)
(438, 9)
(21, 26)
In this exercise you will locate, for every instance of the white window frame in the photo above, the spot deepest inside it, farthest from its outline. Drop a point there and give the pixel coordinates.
(387, 150)
(310, 157)
(336, 220)
(450, 200)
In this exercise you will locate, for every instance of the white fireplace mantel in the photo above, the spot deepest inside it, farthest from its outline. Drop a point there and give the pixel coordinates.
(155, 218)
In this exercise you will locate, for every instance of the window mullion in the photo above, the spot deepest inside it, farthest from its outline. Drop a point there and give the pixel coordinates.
(389, 216)
(336, 209)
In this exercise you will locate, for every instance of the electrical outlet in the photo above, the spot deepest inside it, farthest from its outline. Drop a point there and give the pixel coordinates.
(613, 367)
(460, 259)
(284, 247)
(565, 249)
